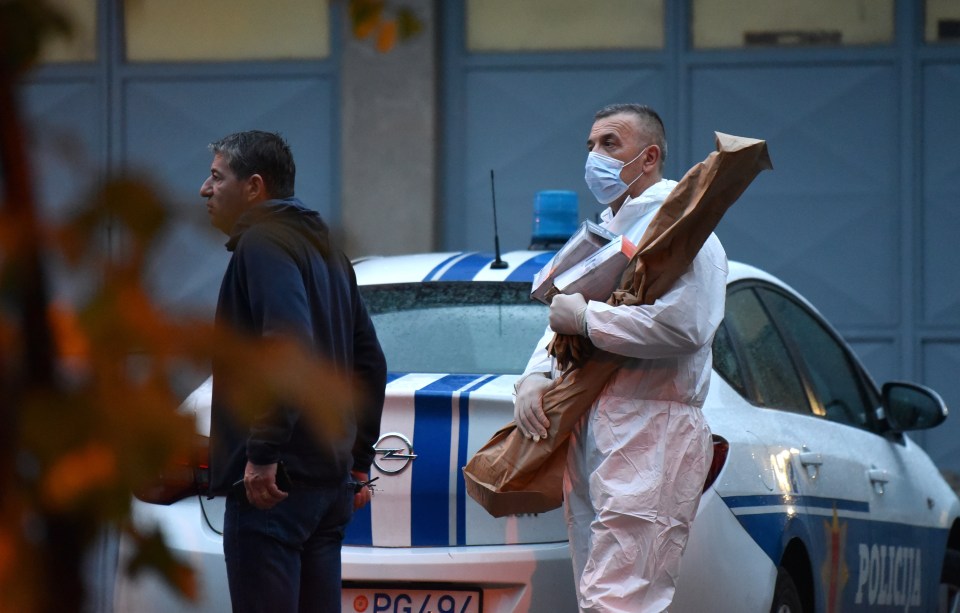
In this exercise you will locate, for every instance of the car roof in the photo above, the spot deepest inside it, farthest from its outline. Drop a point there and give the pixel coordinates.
(475, 266)
(450, 266)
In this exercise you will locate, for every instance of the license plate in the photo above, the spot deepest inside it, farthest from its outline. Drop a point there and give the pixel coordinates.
(372, 600)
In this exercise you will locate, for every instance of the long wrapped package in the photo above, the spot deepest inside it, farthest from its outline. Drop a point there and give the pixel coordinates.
(512, 474)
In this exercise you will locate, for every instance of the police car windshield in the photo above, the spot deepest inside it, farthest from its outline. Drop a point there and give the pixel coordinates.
(456, 327)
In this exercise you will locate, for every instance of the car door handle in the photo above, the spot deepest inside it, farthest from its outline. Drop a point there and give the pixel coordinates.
(812, 462)
(879, 478)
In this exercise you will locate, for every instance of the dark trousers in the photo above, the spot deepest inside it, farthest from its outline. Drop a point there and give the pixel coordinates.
(286, 559)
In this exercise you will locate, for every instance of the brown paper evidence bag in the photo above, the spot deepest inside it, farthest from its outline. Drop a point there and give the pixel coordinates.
(511, 474)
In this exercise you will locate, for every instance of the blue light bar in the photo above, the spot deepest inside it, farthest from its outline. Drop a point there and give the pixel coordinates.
(555, 214)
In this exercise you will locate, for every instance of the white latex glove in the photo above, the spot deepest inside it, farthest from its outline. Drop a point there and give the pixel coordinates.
(528, 405)
(568, 314)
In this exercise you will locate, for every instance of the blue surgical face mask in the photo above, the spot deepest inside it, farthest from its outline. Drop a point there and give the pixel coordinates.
(603, 176)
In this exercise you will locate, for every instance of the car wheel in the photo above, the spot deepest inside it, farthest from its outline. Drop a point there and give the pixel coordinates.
(950, 583)
(786, 598)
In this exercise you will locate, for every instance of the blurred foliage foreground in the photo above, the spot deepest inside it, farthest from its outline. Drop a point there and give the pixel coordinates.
(87, 411)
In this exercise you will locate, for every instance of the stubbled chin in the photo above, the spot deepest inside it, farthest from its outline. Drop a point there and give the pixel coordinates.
(215, 221)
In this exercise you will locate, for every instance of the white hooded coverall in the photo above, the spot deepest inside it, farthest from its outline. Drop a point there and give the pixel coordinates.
(638, 459)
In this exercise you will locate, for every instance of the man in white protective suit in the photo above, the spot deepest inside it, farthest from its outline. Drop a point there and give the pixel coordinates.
(638, 458)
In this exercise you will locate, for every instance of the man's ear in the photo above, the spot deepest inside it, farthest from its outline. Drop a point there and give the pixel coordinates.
(651, 159)
(256, 189)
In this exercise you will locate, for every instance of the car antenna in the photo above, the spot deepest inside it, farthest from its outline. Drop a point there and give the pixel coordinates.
(497, 263)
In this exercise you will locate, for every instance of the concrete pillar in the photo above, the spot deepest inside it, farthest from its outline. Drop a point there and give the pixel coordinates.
(389, 142)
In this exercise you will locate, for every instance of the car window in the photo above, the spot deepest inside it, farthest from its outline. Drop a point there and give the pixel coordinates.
(771, 376)
(456, 327)
(725, 361)
(840, 393)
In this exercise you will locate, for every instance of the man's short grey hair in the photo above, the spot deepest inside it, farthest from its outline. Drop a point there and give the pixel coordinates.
(648, 120)
(262, 153)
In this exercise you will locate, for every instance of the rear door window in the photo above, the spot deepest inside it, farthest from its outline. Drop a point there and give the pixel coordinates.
(757, 357)
(839, 390)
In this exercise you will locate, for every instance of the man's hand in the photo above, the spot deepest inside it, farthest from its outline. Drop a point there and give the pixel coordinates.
(260, 483)
(528, 406)
(568, 314)
(361, 498)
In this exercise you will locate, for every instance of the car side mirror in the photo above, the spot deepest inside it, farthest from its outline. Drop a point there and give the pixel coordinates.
(909, 406)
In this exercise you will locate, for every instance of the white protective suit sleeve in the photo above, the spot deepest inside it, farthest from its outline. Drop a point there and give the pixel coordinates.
(540, 364)
(540, 360)
(678, 323)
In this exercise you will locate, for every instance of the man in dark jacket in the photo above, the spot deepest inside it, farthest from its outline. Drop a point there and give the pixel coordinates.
(286, 281)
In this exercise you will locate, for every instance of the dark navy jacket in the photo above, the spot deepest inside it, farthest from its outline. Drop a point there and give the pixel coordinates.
(285, 280)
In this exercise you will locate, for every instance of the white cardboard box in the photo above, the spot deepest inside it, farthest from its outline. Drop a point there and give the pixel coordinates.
(588, 238)
(597, 276)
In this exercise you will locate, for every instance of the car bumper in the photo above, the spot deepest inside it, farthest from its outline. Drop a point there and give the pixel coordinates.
(512, 578)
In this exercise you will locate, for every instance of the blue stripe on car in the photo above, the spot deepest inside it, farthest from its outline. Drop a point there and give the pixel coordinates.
(767, 517)
(360, 529)
(766, 529)
(463, 437)
(440, 266)
(527, 270)
(467, 268)
(768, 500)
(860, 555)
(430, 495)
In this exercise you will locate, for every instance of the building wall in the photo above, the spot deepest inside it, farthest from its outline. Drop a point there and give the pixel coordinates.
(389, 146)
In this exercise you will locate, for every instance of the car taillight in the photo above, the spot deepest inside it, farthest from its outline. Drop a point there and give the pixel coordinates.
(720, 449)
(185, 477)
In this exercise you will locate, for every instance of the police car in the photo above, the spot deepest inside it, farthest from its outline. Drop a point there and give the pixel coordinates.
(817, 499)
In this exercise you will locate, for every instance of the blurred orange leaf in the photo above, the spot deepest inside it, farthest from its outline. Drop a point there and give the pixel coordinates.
(391, 22)
(7, 553)
(139, 314)
(71, 341)
(24, 26)
(287, 374)
(408, 24)
(131, 206)
(387, 36)
(152, 552)
(365, 16)
(363, 29)
(185, 580)
(78, 472)
(135, 204)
